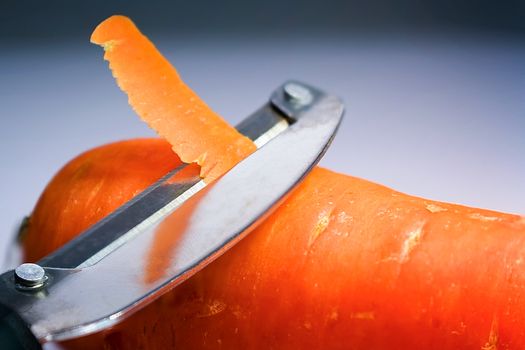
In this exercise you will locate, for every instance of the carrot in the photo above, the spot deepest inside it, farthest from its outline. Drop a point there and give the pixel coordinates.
(341, 264)
(170, 107)
(135, 164)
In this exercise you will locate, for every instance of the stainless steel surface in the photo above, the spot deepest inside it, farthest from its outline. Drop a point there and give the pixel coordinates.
(155, 202)
(29, 276)
(170, 248)
(297, 93)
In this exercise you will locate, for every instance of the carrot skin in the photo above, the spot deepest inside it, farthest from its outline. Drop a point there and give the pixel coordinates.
(342, 264)
(76, 194)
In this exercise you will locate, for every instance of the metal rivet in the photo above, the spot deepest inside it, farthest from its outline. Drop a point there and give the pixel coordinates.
(30, 276)
(298, 94)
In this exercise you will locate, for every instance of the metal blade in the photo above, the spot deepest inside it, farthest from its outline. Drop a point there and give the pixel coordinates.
(158, 199)
(171, 246)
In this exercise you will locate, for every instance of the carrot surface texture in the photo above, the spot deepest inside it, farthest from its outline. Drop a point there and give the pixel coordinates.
(342, 264)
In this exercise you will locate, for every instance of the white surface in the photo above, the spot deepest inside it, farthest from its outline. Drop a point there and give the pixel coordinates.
(438, 118)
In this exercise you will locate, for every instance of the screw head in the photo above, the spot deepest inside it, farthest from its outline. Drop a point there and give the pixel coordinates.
(30, 276)
(297, 94)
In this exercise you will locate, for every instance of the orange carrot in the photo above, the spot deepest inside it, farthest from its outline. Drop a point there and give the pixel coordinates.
(136, 164)
(343, 263)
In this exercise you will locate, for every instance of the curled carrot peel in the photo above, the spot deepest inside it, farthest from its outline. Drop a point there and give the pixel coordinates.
(161, 99)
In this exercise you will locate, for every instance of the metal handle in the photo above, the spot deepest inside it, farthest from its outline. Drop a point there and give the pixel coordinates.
(14, 332)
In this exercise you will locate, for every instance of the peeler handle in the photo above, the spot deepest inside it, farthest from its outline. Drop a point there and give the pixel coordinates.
(14, 332)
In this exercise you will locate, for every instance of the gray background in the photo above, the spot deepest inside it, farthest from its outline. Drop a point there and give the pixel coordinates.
(434, 90)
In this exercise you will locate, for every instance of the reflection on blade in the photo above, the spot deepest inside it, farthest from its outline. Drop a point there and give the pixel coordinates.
(275, 130)
(167, 235)
(187, 178)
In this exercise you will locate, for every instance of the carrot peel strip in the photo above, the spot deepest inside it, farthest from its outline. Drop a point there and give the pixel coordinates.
(161, 99)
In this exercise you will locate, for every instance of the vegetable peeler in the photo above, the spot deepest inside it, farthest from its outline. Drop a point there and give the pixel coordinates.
(105, 274)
